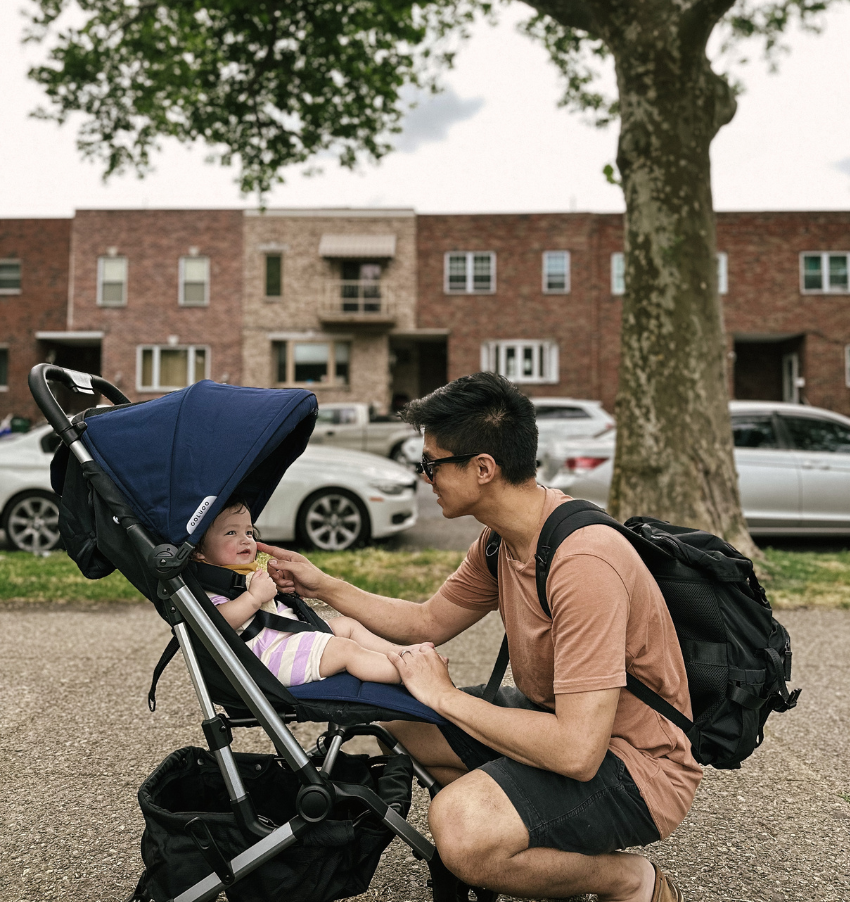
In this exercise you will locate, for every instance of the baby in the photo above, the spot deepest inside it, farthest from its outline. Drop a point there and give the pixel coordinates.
(294, 658)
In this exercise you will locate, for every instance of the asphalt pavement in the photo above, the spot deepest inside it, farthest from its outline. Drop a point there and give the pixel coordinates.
(77, 740)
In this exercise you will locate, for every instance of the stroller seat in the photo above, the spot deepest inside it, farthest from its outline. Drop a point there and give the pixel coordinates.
(138, 483)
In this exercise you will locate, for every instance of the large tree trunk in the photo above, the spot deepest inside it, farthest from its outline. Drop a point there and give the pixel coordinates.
(674, 455)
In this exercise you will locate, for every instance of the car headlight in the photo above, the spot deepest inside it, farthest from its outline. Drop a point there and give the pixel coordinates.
(391, 488)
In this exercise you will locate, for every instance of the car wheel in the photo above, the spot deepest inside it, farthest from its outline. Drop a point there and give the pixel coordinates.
(333, 520)
(31, 522)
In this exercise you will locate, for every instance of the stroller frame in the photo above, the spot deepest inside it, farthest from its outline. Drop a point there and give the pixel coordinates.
(189, 622)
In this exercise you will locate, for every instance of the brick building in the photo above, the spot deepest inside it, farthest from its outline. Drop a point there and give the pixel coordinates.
(157, 294)
(330, 302)
(384, 305)
(538, 298)
(34, 256)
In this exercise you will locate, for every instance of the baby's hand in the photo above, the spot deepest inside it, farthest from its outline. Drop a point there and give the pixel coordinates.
(262, 587)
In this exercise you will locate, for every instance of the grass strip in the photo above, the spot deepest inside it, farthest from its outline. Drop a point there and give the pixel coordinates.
(807, 579)
(55, 578)
(792, 579)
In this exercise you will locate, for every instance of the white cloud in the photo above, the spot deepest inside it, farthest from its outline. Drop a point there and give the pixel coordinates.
(433, 116)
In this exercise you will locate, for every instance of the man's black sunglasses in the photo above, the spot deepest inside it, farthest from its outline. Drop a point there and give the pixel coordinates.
(427, 466)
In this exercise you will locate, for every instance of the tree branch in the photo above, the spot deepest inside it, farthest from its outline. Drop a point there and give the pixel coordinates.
(698, 22)
(570, 13)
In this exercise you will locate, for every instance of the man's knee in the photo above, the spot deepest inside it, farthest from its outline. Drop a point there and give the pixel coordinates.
(475, 826)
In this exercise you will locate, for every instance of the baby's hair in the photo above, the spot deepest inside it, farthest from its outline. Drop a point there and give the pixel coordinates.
(234, 503)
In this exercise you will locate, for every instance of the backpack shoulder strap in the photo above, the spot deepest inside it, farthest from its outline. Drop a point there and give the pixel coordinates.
(491, 554)
(563, 522)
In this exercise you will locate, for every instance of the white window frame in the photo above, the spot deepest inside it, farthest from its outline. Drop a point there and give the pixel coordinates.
(4, 386)
(566, 288)
(545, 357)
(292, 340)
(722, 272)
(190, 365)
(181, 273)
(618, 273)
(824, 269)
(100, 281)
(10, 291)
(470, 272)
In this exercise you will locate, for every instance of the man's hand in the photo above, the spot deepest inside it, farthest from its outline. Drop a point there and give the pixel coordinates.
(425, 674)
(292, 572)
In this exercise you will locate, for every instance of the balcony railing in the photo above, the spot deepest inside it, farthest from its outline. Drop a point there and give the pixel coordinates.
(352, 301)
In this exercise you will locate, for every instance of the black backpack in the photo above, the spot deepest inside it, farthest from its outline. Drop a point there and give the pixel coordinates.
(737, 657)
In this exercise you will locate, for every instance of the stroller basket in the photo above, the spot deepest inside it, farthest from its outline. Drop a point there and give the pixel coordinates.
(189, 827)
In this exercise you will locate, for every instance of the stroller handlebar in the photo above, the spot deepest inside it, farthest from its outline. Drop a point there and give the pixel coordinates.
(80, 383)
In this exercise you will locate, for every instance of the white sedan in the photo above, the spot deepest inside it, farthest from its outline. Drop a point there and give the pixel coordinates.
(330, 498)
(793, 465)
(558, 419)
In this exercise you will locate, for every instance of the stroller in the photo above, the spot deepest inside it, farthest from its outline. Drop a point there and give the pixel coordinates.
(137, 482)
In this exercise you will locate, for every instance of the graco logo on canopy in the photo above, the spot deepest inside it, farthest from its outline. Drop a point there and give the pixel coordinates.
(196, 518)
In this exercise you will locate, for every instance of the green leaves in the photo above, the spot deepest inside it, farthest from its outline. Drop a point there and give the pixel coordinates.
(270, 83)
(577, 57)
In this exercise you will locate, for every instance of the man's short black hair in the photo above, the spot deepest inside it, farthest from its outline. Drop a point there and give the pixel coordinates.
(481, 414)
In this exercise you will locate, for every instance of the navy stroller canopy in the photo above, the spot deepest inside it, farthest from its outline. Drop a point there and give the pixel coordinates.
(177, 459)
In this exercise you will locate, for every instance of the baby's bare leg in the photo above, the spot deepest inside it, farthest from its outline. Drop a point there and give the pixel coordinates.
(345, 654)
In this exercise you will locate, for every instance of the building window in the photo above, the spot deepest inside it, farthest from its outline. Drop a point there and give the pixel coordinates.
(722, 273)
(10, 276)
(824, 273)
(618, 273)
(194, 281)
(522, 360)
(556, 272)
(4, 369)
(312, 362)
(847, 365)
(360, 288)
(112, 281)
(274, 275)
(167, 368)
(470, 273)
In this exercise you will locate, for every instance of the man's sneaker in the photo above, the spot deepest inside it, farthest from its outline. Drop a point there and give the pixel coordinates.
(665, 890)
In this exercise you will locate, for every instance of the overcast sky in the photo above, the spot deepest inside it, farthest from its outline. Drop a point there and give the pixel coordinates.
(495, 141)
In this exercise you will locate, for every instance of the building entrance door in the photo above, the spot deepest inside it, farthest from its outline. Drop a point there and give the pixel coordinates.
(768, 368)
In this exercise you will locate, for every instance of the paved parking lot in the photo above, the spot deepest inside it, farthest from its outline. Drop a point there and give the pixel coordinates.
(77, 740)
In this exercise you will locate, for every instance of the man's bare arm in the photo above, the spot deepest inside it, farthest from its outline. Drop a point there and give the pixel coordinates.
(405, 622)
(572, 741)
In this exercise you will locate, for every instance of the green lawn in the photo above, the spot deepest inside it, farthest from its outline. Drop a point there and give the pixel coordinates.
(793, 579)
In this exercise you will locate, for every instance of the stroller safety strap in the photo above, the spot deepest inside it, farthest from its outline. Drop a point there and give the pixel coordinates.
(262, 620)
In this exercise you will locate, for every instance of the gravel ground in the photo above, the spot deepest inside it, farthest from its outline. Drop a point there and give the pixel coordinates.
(77, 740)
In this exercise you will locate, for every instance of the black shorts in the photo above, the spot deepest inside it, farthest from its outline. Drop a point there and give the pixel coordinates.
(602, 815)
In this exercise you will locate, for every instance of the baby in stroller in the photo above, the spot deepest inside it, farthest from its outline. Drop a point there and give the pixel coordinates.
(299, 657)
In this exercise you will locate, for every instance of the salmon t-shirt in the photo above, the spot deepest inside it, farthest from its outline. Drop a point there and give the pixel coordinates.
(608, 616)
